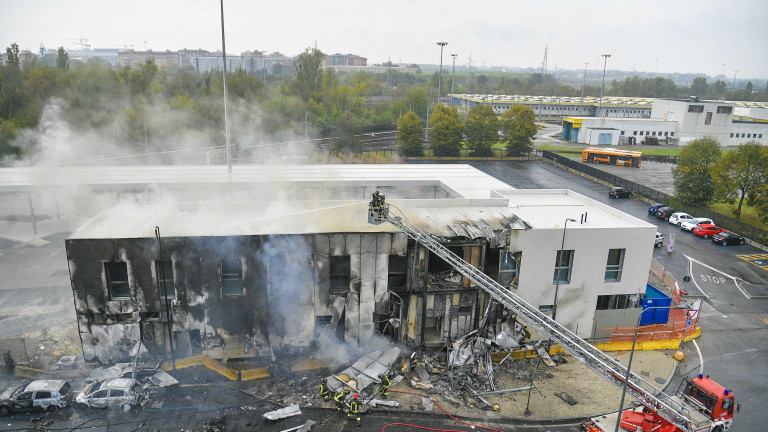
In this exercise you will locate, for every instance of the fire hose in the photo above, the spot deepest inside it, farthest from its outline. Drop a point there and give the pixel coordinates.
(441, 409)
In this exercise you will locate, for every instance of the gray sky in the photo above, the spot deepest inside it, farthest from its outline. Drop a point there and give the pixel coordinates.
(695, 36)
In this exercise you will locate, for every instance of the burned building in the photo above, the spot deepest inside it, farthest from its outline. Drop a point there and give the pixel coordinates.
(255, 278)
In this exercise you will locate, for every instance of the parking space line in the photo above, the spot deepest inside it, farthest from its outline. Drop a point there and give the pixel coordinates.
(760, 260)
(733, 278)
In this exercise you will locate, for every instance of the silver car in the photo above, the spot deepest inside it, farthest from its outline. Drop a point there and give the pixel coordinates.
(691, 224)
(111, 393)
(36, 395)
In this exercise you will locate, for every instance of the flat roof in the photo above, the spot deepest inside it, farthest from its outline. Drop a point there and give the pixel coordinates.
(458, 180)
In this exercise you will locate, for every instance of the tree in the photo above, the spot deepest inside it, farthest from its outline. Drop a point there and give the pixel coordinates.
(693, 181)
(62, 59)
(308, 72)
(409, 135)
(481, 130)
(12, 55)
(518, 126)
(445, 131)
(741, 173)
(699, 86)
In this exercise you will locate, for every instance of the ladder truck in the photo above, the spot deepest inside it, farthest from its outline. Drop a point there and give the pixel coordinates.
(700, 405)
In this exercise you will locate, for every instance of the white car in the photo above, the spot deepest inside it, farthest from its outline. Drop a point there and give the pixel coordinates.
(659, 242)
(111, 393)
(689, 225)
(679, 218)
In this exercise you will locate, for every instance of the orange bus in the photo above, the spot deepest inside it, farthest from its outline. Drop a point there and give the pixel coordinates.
(611, 156)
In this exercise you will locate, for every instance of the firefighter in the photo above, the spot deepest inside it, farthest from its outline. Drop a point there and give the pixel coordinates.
(339, 399)
(385, 384)
(354, 409)
(323, 389)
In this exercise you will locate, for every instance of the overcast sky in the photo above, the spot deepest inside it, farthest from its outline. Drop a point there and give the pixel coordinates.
(697, 36)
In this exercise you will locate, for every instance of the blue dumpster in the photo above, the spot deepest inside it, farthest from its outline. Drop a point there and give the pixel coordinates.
(655, 298)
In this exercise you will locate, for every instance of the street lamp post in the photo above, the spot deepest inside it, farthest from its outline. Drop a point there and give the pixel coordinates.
(602, 86)
(440, 73)
(453, 74)
(735, 72)
(631, 355)
(558, 266)
(584, 84)
(226, 110)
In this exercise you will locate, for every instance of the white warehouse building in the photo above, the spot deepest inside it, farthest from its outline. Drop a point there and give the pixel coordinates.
(672, 121)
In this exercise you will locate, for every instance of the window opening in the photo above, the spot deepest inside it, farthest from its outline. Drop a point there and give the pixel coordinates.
(231, 277)
(614, 265)
(563, 266)
(117, 280)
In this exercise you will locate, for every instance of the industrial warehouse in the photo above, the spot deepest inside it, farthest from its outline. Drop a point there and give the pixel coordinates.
(271, 276)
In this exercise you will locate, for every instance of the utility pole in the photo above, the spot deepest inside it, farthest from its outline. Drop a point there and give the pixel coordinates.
(440, 73)
(735, 72)
(584, 84)
(453, 75)
(602, 86)
(544, 63)
(226, 111)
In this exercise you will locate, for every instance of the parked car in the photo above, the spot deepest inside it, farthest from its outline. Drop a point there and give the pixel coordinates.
(619, 192)
(728, 238)
(111, 393)
(665, 212)
(680, 217)
(36, 395)
(659, 242)
(707, 230)
(690, 224)
(654, 208)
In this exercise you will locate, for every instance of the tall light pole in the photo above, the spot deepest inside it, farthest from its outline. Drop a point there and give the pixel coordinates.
(632, 354)
(558, 266)
(584, 84)
(735, 72)
(440, 74)
(602, 86)
(453, 74)
(226, 110)
(723, 72)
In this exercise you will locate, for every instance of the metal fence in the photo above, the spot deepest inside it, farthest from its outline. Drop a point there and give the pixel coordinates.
(464, 154)
(731, 224)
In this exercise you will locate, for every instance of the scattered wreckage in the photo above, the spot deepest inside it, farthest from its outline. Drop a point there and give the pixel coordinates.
(36, 395)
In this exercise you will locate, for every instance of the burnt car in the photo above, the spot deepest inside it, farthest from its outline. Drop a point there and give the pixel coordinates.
(122, 393)
(728, 238)
(36, 395)
(619, 192)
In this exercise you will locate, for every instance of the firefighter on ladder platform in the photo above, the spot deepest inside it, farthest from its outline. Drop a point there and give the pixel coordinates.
(385, 384)
(338, 397)
(354, 409)
(323, 389)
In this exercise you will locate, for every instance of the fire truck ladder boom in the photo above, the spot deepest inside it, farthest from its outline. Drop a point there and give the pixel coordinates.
(610, 369)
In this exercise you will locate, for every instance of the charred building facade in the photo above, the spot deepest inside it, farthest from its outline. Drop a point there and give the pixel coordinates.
(258, 278)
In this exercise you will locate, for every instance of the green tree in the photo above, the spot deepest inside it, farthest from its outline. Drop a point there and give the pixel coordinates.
(445, 131)
(692, 178)
(481, 130)
(409, 135)
(518, 126)
(62, 59)
(699, 86)
(740, 174)
(12, 55)
(308, 72)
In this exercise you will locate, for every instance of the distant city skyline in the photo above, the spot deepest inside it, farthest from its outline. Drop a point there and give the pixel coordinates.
(655, 36)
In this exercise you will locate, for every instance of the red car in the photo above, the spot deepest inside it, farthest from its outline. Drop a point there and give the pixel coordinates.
(707, 230)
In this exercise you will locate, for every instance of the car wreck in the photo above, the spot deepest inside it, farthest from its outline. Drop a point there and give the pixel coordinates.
(123, 393)
(37, 395)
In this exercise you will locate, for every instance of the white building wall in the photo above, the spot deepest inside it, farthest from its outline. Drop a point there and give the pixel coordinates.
(577, 299)
(639, 129)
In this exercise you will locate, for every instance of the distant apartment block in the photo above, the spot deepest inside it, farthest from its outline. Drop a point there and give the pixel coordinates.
(344, 60)
(163, 59)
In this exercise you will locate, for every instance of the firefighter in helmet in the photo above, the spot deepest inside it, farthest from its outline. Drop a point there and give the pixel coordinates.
(385, 384)
(354, 409)
(338, 397)
(323, 389)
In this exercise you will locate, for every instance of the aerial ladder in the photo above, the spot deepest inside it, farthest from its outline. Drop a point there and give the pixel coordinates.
(677, 413)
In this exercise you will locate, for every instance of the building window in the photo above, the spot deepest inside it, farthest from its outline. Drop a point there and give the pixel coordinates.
(164, 278)
(509, 267)
(398, 271)
(622, 132)
(641, 133)
(731, 134)
(695, 108)
(742, 135)
(117, 280)
(563, 265)
(666, 133)
(724, 110)
(634, 132)
(708, 119)
(749, 135)
(339, 273)
(231, 277)
(760, 136)
(671, 134)
(618, 301)
(647, 132)
(546, 309)
(614, 265)
(653, 133)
